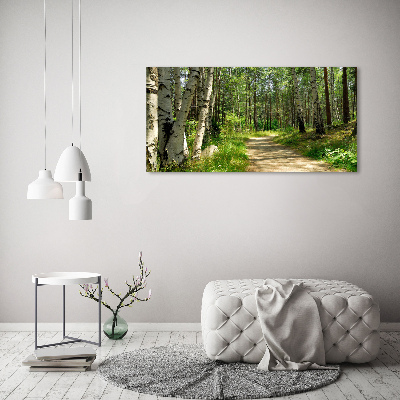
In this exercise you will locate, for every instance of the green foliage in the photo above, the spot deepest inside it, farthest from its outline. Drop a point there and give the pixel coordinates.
(342, 158)
(190, 130)
(274, 124)
(230, 157)
(232, 122)
(337, 147)
(289, 138)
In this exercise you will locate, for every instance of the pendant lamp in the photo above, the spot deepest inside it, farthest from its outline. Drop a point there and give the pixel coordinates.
(80, 206)
(72, 162)
(44, 186)
(72, 165)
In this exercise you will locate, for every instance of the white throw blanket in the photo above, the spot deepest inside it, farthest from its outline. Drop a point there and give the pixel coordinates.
(291, 327)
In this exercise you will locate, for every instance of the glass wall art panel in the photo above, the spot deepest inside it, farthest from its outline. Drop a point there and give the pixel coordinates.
(251, 119)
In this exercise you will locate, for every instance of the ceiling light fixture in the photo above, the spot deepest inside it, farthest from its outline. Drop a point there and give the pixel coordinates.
(44, 186)
(72, 165)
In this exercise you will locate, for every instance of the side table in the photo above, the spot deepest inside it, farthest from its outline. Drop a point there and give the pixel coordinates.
(66, 278)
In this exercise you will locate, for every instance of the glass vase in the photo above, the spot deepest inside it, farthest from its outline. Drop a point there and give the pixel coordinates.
(115, 327)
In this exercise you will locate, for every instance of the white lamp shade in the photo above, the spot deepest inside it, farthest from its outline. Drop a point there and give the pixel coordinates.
(71, 161)
(80, 206)
(44, 187)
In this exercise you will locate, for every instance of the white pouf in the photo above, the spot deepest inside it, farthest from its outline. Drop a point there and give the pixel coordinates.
(231, 330)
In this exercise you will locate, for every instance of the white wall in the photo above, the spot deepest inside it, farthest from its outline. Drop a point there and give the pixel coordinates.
(192, 228)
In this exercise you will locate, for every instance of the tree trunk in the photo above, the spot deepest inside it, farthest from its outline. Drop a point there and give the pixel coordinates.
(255, 104)
(178, 90)
(223, 106)
(193, 109)
(175, 144)
(312, 120)
(354, 133)
(328, 106)
(245, 109)
(151, 118)
(300, 117)
(270, 111)
(277, 115)
(265, 112)
(249, 110)
(332, 88)
(346, 111)
(318, 118)
(165, 120)
(218, 108)
(198, 141)
(355, 88)
(212, 102)
(200, 91)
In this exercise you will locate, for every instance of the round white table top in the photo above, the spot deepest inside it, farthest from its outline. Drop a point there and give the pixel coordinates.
(65, 278)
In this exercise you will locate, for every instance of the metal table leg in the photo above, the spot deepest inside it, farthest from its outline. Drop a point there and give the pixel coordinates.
(36, 286)
(100, 297)
(73, 339)
(63, 311)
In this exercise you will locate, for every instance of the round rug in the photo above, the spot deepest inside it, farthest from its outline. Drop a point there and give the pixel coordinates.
(185, 371)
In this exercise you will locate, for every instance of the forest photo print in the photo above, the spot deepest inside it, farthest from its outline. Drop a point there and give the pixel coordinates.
(251, 119)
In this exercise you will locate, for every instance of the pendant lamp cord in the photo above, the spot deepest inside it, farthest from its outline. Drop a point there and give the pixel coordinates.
(79, 88)
(44, 83)
(72, 68)
(79, 80)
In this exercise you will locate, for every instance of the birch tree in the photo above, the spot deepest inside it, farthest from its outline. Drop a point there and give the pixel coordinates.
(212, 102)
(165, 120)
(205, 103)
(178, 104)
(151, 118)
(300, 116)
(175, 143)
(178, 90)
(200, 91)
(318, 118)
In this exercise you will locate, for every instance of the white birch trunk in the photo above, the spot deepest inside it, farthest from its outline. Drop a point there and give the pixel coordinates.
(151, 118)
(205, 103)
(202, 85)
(165, 120)
(199, 92)
(178, 90)
(185, 146)
(319, 121)
(175, 144)
(300, 116)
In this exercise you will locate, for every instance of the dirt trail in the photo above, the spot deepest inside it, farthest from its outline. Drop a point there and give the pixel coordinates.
(267, 156)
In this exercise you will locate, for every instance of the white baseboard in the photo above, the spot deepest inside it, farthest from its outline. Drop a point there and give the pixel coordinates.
(138, 327)
(390, 326)
(92, 327)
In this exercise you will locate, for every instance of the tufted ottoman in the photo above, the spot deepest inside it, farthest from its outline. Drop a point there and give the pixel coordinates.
(231, 330)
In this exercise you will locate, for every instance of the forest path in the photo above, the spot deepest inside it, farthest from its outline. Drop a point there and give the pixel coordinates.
(267, 156)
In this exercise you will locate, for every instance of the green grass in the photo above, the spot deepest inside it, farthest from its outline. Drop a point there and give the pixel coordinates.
(230, 157)
(337, 147)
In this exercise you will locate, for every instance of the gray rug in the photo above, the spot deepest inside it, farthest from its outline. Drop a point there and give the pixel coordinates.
(185, 371)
